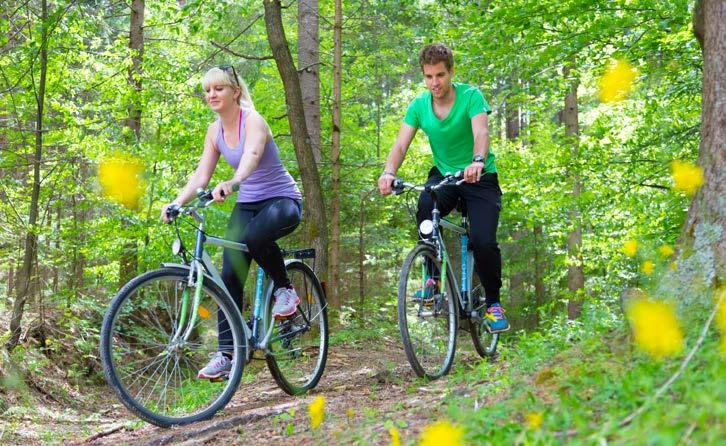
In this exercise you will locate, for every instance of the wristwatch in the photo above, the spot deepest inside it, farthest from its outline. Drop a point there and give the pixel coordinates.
(478, 159)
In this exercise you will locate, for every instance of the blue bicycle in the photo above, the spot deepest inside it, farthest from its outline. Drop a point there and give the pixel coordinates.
(431, 302)
(163, 326)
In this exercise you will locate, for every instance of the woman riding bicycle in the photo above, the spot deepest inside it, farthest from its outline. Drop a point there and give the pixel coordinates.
(269, 203)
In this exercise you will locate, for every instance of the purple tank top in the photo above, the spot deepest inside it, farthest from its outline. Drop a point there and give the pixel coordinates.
(270, 179)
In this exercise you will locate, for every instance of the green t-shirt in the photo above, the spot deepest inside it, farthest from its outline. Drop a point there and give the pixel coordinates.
(451, 139)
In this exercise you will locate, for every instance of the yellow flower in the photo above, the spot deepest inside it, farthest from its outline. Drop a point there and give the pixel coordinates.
(316, 410)
(534, 420)
(666, 251)
(119, 177)
(442, 433)
(655, 327)
(687, 177)
(350, 413)
(647, 267)
(395, 437)
(203, 312)
(617, 81)
(721, 316)
(673, 266)
(630, 247)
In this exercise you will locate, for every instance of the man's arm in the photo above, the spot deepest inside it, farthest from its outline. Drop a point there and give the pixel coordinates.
(480, 128)
(395, 157)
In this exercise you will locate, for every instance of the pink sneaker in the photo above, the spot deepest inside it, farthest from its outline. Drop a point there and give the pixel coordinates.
(286, 302)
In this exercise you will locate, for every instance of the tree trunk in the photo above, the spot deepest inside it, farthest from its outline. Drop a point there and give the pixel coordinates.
(362, 247)
(308, 59)
(314, 205)
(575, 273)
(28, 274)
(128, 264)
(539, 288)
(334, 275)
(706, 211)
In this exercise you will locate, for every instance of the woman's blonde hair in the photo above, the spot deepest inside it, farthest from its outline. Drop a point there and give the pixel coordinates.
(226, 75)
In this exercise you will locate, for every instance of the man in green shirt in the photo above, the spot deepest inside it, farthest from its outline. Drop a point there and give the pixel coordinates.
(454, 117)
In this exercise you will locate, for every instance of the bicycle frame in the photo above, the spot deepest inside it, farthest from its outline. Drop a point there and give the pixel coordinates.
(202, 265)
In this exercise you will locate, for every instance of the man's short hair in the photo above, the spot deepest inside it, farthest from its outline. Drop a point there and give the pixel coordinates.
(434, 53)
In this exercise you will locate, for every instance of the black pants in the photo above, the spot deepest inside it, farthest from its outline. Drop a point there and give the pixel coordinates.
(483, 202)
(258, 225)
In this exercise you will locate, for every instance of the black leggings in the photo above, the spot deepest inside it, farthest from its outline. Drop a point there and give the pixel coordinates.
(258, 225)
(483, 203)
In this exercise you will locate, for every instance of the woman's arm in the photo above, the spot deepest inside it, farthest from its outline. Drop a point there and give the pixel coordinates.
(203, 173)
(256, 135)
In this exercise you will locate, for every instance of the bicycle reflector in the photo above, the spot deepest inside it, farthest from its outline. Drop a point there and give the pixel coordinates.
(426, 227)
(176, 246)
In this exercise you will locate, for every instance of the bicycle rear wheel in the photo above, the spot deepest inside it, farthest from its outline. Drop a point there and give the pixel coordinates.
(485, 343)
(298, 347)
(427, 318)
(154, 375)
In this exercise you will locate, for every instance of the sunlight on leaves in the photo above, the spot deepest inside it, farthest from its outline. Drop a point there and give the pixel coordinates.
(617, 81)
(442, 433)
(656, 329)
(120, 182)
(395, 437)
(316, 410)
(630, 247)
(687, 177)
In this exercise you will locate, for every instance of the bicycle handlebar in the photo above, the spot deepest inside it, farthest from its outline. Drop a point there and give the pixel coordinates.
(399, 185)
(204, 199)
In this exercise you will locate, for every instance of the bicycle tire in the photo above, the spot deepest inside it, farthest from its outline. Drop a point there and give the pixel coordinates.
(485, 343)
(298, 350)
(411, 316)
(140, 322)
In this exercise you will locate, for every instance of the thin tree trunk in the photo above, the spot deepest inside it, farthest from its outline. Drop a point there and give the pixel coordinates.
(539, 288)
(362, 248)
(128, 264)
(314, 205)
(334, 275)
(706, 210)
(575, 272)
(308, 59)
(27, 274)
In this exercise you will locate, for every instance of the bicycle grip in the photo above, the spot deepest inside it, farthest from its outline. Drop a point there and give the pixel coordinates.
(397, 187)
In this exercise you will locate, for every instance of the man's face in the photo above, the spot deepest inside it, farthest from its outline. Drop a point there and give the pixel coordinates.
(438, 79)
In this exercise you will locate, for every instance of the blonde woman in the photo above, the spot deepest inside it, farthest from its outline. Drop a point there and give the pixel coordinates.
(268, 206)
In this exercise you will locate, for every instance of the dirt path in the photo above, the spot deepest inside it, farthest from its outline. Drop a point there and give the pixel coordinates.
(368, 387)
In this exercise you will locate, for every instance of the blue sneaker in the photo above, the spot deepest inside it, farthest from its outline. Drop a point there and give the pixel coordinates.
(495, 320)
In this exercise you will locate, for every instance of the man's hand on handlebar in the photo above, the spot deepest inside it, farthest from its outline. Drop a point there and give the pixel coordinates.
(385, 183)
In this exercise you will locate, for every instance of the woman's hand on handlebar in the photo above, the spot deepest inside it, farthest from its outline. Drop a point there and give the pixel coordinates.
(224, 189)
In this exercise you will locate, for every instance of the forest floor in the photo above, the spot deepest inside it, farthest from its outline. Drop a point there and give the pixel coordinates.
(368, 387)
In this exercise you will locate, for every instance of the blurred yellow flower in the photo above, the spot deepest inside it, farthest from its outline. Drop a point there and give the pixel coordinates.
(687, 177)
(666, 251)
(655, 327)
(647, 267)
(673, 266)
(442, 433)
(617, 81)
(720, 299)
(119, 178)
(534, 420)
(316, 410)
(630, 247)
(395, 437)
(203, 312)
(350, 413)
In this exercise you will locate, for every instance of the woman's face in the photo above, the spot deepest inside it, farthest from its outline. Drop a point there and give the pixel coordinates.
(221, 97)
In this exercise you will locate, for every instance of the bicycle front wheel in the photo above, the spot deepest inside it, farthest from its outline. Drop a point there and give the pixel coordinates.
(298, 348)
(427, 317)
(151, 367)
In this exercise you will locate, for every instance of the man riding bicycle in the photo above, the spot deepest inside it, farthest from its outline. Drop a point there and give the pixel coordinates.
(454, 116)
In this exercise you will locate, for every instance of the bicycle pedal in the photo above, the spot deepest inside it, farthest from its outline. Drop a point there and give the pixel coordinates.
(219, 379)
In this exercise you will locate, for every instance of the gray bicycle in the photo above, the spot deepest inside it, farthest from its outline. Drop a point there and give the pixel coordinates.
(431, 302)
(162, 327)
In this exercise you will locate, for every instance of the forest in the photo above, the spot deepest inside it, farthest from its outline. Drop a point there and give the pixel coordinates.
(608, 126)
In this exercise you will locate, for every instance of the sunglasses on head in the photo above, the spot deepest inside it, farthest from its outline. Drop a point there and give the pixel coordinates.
(227, 68)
